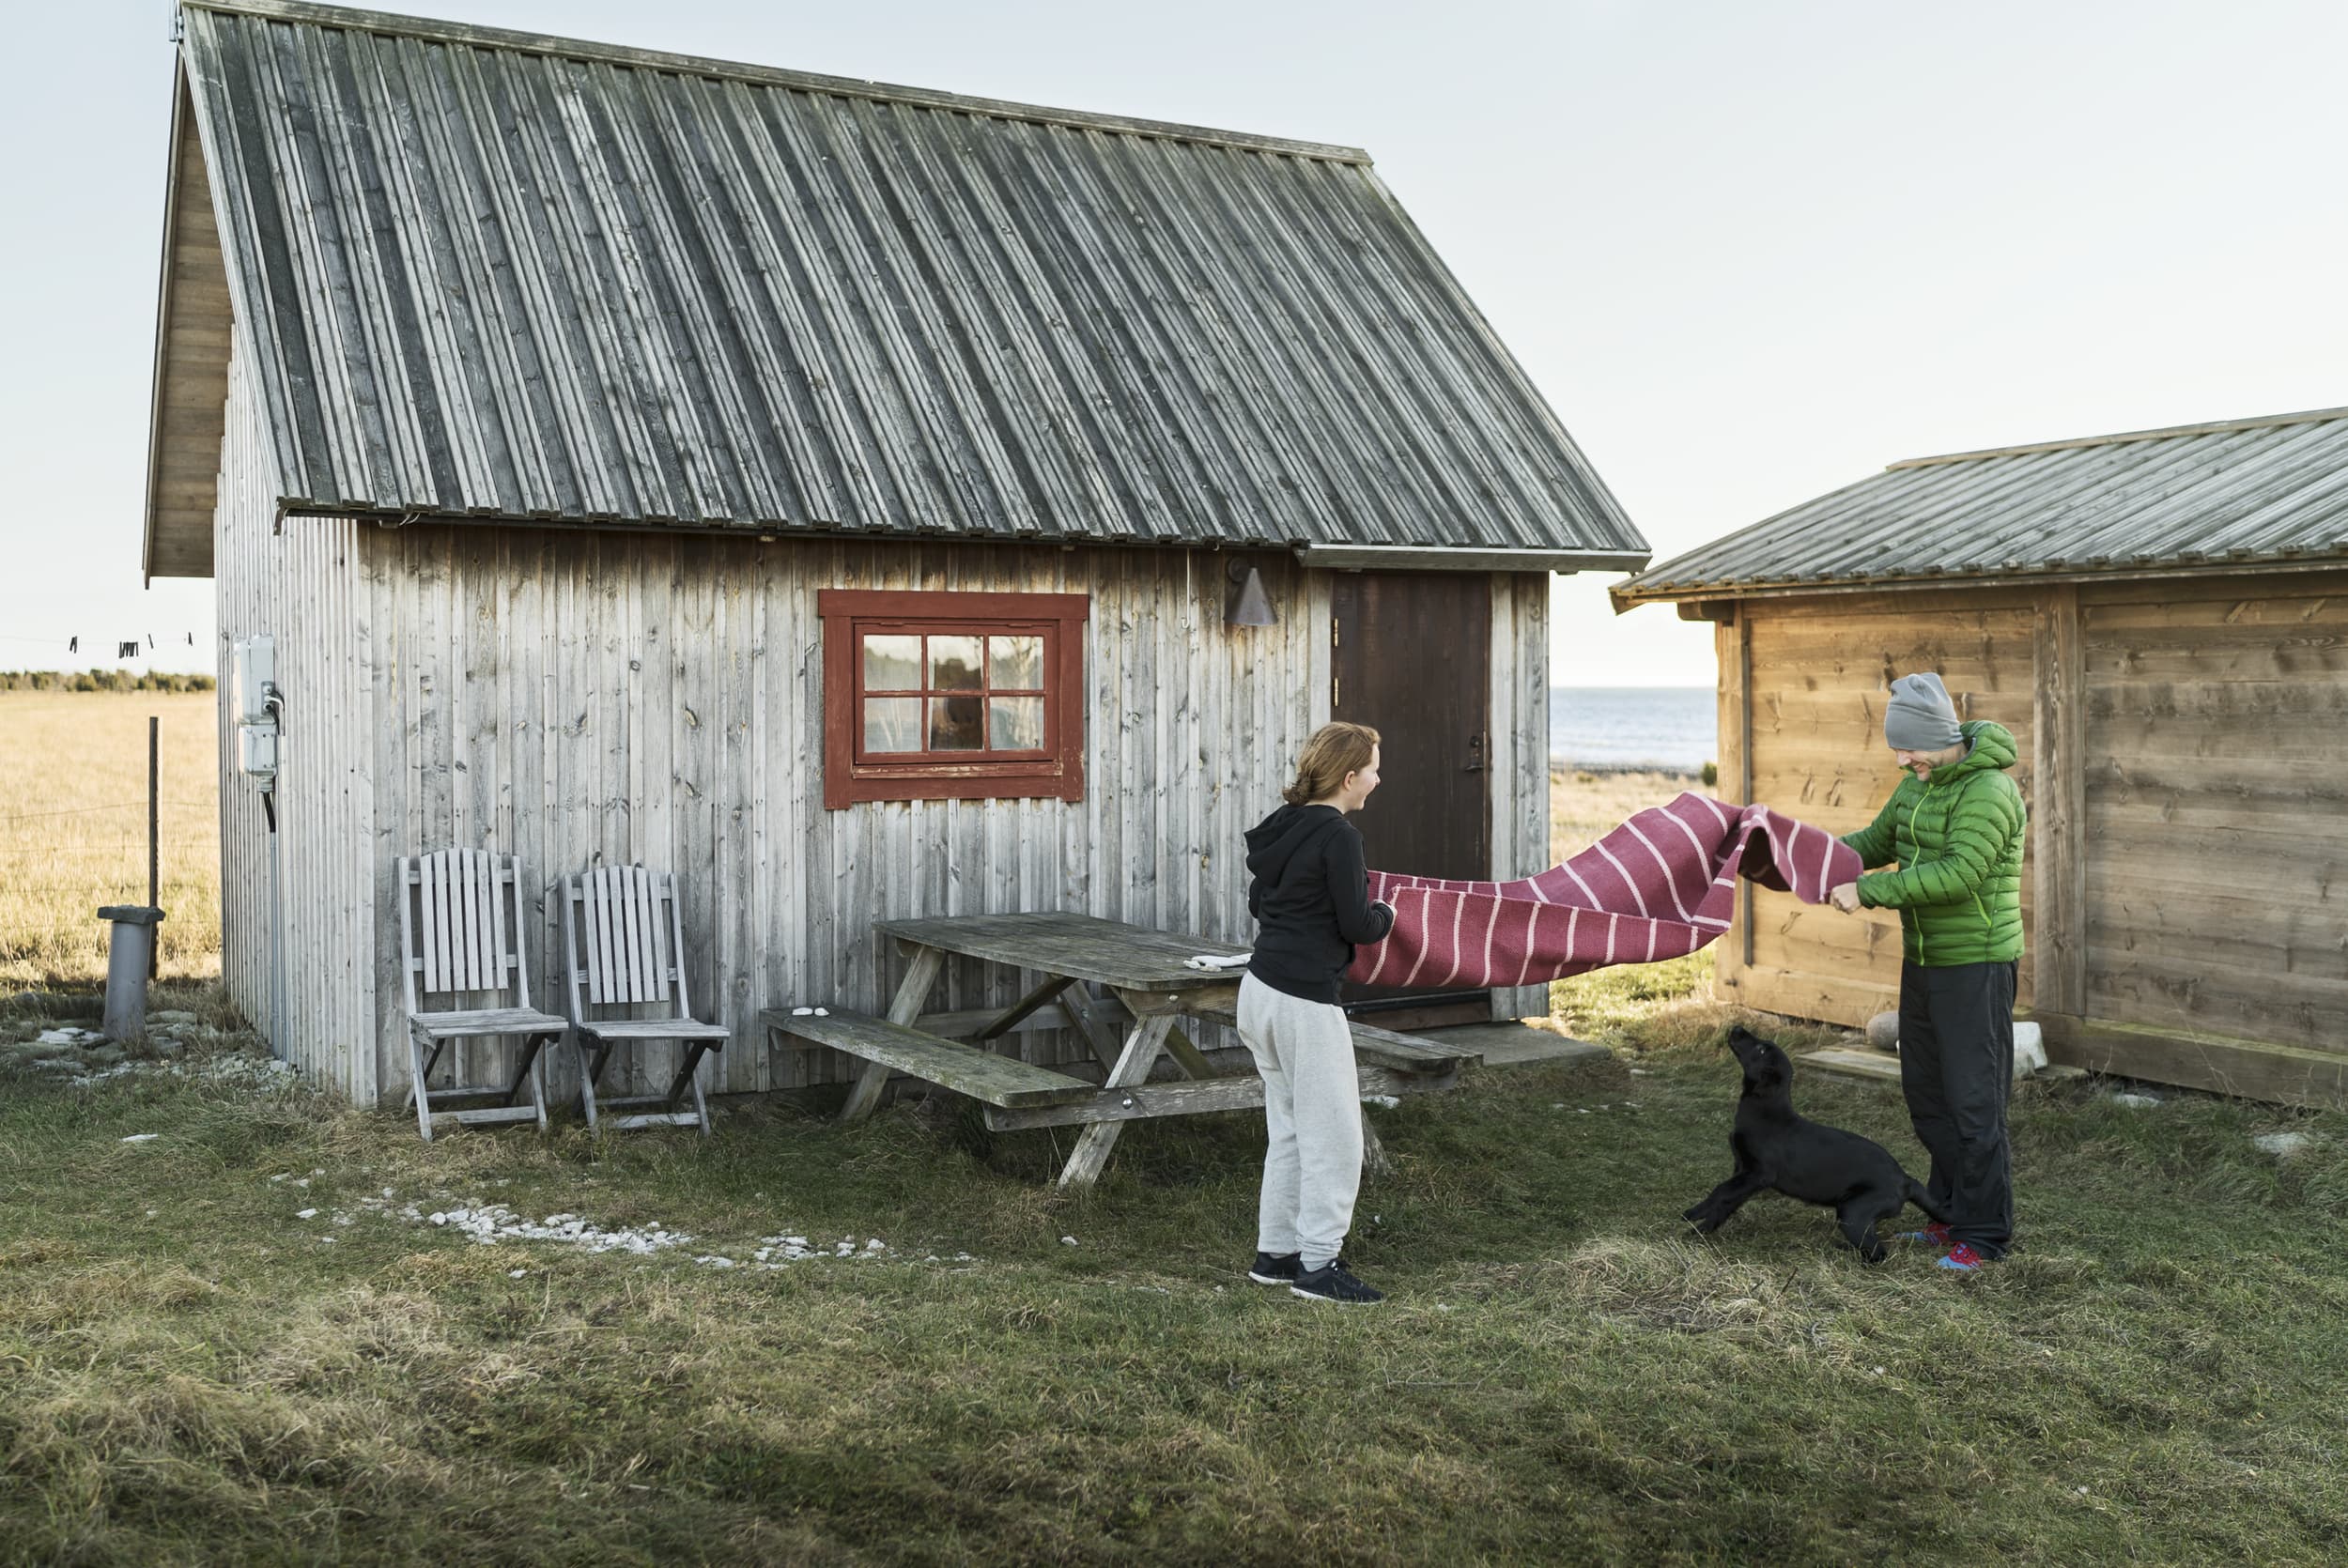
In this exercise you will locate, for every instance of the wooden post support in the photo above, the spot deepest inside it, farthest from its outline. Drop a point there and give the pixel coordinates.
(154, 856)
(927, 961)
(1132, 1067)
(2058, 828)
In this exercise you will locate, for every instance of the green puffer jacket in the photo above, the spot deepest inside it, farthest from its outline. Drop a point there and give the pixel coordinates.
(1958, 840)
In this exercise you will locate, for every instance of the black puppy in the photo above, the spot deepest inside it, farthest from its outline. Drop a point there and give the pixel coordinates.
(1776, 1149)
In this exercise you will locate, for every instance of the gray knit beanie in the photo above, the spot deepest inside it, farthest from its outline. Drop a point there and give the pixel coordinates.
(1920, 716)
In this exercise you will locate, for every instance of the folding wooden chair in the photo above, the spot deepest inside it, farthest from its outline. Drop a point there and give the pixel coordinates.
(461, 933)
(624, 944)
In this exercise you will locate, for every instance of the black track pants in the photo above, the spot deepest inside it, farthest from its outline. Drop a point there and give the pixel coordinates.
(1957, 1068)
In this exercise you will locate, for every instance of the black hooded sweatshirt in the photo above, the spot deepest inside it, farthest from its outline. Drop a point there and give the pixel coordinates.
(1310, 896)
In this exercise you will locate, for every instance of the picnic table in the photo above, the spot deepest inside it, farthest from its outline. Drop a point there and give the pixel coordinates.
(1154, 989)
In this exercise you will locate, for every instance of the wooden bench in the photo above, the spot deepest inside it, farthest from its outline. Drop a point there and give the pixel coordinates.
(1408, 1055)
(1004, 1081)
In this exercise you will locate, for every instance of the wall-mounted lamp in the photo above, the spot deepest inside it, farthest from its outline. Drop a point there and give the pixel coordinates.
(1246, 603)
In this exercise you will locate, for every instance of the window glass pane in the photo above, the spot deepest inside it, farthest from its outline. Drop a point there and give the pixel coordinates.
(892, 724)
(954, 723)
(893, 664)
(1014, 724)
(1014, 663)
(954, 664)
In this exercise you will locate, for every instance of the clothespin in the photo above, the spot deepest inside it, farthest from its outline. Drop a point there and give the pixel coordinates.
(73, 645)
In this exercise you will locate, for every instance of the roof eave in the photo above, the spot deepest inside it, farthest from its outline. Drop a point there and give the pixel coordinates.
(1627, 596)
(1449, 558)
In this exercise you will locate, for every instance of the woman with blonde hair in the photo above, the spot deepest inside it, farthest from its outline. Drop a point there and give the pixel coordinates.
(1309, 894)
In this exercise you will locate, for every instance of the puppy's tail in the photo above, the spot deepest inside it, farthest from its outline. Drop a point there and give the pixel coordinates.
(1916, 1195)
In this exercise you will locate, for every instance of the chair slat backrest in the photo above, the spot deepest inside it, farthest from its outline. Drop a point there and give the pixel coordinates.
(460, 927)
(623, 941)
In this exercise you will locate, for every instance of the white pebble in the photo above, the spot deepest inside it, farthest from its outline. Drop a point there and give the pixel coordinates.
(515, 1274)
(307, 1214)
(1068, 1242)
(823, 1012)
(802, 1012)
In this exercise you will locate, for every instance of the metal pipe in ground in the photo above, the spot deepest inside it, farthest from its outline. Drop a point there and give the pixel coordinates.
(129, 946)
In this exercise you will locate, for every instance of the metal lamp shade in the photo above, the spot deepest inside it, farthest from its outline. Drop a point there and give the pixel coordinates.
(1249, 604)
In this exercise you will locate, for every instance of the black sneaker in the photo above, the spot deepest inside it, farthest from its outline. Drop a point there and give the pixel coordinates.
(1333, 1282)
(1276, 1268)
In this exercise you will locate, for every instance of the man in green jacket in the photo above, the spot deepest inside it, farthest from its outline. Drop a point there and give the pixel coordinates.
(1955, 825)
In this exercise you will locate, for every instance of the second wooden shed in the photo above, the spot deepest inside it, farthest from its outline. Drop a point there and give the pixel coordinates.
(2161, 618)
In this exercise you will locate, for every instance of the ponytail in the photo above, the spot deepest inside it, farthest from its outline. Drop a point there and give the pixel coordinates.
(1335, 750)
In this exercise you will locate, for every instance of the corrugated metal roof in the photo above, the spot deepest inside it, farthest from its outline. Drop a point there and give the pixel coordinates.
(492, 273)
(2240, 491)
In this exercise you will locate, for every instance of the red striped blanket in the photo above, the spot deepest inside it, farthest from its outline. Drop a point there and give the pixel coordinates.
(1661, 885)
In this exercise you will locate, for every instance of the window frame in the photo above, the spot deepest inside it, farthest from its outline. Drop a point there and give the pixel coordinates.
(850, 614)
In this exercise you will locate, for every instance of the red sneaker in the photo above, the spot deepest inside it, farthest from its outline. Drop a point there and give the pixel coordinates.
(1962, 1259)
(1935, 1234)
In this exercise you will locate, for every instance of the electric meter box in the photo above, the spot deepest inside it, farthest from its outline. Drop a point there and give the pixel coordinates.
(256, 678)
(259, 750)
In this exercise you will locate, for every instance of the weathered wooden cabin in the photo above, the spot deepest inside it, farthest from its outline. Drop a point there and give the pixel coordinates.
(2161, 618)
(597, 431)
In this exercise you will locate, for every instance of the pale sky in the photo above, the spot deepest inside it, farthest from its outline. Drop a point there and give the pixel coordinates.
(1750, 250)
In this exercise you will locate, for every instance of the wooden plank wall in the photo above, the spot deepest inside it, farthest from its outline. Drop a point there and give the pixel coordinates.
(1819, 670)
(2216, 809)
(299, 585)
(576, 698)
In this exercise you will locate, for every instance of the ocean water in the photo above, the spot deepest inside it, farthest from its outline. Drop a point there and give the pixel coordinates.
(1666, 726)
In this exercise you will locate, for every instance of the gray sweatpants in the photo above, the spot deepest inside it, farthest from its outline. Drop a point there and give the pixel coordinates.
(1312, 1112)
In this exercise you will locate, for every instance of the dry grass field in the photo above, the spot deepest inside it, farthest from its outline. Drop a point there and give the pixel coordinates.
(73, 830)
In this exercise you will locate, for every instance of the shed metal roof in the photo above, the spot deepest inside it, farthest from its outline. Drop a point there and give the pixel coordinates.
(489, 274)
(2238, 493)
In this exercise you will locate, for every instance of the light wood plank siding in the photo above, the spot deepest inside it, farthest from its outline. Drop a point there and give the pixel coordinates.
(299, 586)
(2216, 820)
(583, 698)
(1818, 675)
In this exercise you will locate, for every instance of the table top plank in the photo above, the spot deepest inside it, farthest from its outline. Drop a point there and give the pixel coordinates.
(1078, 946)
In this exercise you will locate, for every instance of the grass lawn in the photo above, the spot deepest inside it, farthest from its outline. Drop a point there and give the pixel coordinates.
(189, 1371)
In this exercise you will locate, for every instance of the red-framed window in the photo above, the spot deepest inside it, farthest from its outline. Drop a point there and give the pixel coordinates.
(937, 696)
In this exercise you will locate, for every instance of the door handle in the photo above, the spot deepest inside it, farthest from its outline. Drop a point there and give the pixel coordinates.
(1476, 753)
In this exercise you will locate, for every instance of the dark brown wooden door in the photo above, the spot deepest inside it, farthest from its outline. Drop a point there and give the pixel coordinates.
(1412, 658)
